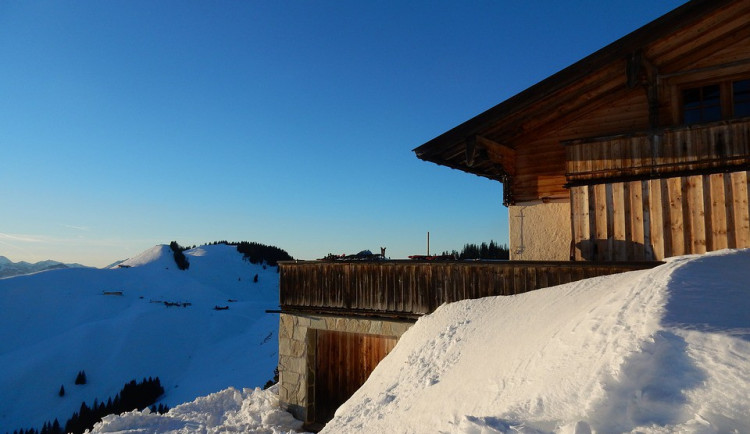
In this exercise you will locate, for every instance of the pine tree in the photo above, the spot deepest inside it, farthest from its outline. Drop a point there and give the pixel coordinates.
(62, 391)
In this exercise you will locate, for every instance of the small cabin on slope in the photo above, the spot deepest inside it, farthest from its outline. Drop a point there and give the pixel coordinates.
(639, 151)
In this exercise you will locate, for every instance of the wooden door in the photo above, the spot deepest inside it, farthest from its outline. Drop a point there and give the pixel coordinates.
(343, 363)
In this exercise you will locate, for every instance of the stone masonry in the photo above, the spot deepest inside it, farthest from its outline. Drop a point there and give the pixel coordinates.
(297, 344)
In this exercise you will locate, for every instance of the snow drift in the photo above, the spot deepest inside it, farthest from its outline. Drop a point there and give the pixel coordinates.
(662, 350)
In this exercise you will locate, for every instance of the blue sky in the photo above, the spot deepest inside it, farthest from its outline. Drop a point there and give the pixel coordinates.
(125, 124)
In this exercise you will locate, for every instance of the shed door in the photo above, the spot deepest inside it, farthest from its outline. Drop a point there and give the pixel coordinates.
(343, 362)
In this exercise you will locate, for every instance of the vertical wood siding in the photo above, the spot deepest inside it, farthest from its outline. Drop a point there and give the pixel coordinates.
(721, 144)
(411, 289)
(658, 218)
(343, 362)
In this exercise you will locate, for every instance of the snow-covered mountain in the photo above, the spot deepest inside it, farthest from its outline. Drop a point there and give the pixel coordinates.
(145, 318)
(665, 350)
(9, 268)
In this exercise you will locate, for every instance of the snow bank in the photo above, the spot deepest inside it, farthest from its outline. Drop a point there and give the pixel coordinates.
(662, 350)
(249, 411)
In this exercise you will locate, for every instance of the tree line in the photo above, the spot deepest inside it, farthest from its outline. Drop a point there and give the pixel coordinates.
(258, 253)
(481, 251)
(131, 397)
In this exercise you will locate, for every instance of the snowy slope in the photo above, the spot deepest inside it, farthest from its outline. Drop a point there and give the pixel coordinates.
(655, 351)
(59, 322)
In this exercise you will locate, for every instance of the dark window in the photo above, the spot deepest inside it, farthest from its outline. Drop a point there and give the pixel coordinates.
(701, 104)
(741, 98)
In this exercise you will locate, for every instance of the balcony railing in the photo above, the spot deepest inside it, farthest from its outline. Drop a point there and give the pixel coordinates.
(701, 148)
(409, 289)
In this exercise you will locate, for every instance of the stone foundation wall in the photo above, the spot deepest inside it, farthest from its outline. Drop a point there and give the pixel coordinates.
(297, 345)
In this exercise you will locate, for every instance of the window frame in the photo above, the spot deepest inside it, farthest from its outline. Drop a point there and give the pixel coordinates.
(745, 99)
(679, 84)
(703, 106)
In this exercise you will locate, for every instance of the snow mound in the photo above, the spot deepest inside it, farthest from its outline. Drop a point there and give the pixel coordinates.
(158, 255)
(249, 411)
(662, 350)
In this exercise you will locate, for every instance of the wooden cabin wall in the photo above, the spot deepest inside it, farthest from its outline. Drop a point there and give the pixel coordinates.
(540, 163)
(712, 50)
(658, 218)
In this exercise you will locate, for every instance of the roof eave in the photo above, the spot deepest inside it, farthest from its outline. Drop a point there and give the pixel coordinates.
(670, 22)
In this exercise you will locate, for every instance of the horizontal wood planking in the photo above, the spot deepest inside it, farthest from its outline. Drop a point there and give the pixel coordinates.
(667, 217)
(411, 289)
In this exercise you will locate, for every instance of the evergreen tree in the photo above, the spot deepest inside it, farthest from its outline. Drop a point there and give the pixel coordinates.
(275, 380)
(179, 256)
(62, 391)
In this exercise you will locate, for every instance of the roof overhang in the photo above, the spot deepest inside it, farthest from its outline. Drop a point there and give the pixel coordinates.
(501, 126)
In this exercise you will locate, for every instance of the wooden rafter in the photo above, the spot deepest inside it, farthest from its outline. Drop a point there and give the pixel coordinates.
(500, 154)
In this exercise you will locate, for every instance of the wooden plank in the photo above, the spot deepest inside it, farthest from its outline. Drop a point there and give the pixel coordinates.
(656, 211)
(618, 217)
(601, 223)
(531, 278)
(610, 207)
(628, 221)
(717, 211)
(741, 212)
(675, 224)
(648, 247)
(729, 206)
(686, 217)
(694, 195)
(636, 220)
(707, 216)
(591, 235)
(698, 43)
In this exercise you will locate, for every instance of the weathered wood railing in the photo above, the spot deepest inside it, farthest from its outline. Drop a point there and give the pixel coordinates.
(411, 288)
(715, 146)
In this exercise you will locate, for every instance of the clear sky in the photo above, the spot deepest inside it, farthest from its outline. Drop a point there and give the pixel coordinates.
(125, 124)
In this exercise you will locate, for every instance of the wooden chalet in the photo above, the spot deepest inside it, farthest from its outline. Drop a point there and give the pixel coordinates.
(639, 151)
(636, 153)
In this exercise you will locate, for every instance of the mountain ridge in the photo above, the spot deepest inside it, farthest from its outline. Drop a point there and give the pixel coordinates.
(9, 268)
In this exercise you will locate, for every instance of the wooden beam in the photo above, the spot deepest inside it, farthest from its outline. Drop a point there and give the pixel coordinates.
(471, 150)
(642, 72)
(503, 155)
